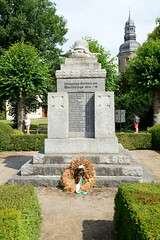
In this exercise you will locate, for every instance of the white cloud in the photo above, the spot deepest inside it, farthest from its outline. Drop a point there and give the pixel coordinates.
(105, 20)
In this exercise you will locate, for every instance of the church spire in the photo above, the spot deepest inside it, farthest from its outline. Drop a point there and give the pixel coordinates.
(129, 30)
(128, 48)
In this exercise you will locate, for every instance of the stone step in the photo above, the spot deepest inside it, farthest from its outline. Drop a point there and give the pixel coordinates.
(101, 169)
(53, 181)
(109, 159)
(123, 157)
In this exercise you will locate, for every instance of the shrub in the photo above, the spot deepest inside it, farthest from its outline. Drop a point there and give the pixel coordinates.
(6, 133)
(2, 115)
(133, 141)
(20, 213)
(33, 142)
(155, 131)
(137, 212)
(17, 132)
(33, 126)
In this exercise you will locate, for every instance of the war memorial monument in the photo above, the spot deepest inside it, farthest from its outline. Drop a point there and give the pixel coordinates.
(81, 124)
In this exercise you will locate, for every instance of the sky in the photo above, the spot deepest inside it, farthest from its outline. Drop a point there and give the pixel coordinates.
(105, 20)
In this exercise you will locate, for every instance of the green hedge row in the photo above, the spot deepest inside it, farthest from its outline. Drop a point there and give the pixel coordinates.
(6, 132)
(33, 142)
(16, 141)
(20, 213)
(137, 212)
(134, 141)
(155, 131)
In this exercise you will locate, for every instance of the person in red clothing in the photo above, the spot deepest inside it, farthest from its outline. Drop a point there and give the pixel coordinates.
(136, 122)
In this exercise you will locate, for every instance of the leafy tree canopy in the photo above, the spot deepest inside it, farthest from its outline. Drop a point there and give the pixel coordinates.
(33, 21)
(106, 61)
(143, 70)
(22, 71)
(156, 32)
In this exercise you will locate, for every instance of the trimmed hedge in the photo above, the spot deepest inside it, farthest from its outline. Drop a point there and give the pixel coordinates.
(155, 131)
(137, 212)
(33, 142)
(6, 133)
(134, 141)
(20, 213)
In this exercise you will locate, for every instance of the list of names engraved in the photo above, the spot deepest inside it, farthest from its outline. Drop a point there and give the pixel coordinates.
(81, 115)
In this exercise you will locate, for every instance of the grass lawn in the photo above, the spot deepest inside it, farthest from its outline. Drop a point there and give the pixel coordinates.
(39, 121)
(34, 121)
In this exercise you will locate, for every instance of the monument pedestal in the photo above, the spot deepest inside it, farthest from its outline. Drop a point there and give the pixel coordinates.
(111, 169)
(81, 124)
(81, 145)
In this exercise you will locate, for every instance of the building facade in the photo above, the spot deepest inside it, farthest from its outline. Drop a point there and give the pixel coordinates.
(128, 48)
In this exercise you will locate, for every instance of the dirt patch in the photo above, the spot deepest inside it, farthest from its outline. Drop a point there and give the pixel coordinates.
(72, 216)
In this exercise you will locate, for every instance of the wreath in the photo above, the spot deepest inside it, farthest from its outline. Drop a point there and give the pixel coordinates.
(79, 170)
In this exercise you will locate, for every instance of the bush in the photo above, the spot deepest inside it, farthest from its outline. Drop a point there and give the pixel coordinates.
(137, 212)
(18, 141)
(33, 142)
(2, 115)
(33, 126)
(20, 213)
(155, 131)
(17, 132)
(6, 133)
(134, 141)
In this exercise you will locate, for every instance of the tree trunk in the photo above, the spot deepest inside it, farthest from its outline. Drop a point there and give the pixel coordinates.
(21, 112)
(156, 105)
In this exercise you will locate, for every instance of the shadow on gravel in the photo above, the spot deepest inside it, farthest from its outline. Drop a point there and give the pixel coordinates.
(98, 230)
(16, 161)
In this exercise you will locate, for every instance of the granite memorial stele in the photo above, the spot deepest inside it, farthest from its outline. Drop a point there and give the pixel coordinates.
(81, 124)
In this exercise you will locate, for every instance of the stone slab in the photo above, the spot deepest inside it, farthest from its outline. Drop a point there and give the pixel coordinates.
(123, 157)
(37, 181)
(78, 61)
(81, 115)
(96, 158)
(104, 114)
(76, 72)
(81, 85)
(81, 145)
(100, 170)
(57, 115)
(101, 181)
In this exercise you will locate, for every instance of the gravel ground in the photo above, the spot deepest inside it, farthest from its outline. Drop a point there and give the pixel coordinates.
(76, 217)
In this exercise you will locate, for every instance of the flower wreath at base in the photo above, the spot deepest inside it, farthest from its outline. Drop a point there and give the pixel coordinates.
(79, 176)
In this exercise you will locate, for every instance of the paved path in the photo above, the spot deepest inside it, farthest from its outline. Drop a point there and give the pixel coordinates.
(76, 217)
(150, 160)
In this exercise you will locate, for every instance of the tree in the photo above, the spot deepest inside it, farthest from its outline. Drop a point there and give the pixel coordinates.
(143, 73)
(156, 32)
(22, 72)
(36, 22)
(31, 21)
(106, 62)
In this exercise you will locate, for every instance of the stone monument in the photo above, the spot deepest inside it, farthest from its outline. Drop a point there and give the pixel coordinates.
(81, 113)
(81, 124)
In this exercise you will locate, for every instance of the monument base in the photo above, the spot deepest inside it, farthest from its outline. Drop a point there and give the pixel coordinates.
(81, 145)
(111, 169)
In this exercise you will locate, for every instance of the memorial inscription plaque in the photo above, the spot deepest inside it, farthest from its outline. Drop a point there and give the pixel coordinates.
(81, 115)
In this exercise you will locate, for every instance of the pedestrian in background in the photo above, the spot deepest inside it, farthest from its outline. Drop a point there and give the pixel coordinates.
(27, 124)
(136, 122)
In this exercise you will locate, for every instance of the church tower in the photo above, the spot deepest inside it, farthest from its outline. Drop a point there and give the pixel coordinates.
(130, 45)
